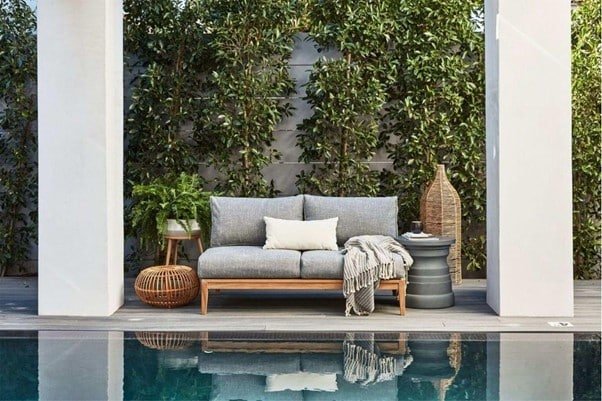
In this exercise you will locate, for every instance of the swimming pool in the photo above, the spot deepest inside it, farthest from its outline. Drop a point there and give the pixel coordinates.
(60, 365)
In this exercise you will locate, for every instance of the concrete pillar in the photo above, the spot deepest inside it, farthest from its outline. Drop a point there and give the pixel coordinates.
(80, 365)
(529, 205)
(80, 101)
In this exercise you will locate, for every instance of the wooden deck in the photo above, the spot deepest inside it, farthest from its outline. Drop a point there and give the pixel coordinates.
(307, 311)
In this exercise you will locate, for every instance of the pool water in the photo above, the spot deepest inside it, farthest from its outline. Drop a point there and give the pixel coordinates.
(53, 365)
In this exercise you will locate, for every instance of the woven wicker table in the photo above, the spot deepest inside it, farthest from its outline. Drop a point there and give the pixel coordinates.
(167, 286)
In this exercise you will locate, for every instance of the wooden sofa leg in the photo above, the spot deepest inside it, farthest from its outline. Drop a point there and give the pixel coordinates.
(401, 291)
(204, 297)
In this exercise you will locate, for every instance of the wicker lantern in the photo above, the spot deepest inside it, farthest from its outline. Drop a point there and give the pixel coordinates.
(441, 215)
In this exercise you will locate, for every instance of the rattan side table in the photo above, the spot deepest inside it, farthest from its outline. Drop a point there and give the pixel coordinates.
(167, 286)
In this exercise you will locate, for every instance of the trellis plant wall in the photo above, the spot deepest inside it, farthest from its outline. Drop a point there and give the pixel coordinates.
(18, 139)
(269, 97)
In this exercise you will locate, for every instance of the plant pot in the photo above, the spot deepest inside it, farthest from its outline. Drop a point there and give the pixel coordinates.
(174, 228)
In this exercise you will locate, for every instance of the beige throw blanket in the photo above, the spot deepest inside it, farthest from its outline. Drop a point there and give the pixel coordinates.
(369, 259)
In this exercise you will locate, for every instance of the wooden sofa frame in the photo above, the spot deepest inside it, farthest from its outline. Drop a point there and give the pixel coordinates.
(398, 287)
(396, 346)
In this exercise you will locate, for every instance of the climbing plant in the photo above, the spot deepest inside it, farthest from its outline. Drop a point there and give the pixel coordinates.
(346, 95)
(206, 81)
(18, 134)
(251, 42)
(436, 111)
(167, 56)
(587, 136)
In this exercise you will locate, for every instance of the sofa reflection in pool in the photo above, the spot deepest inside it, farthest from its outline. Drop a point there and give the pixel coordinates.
(361, 367)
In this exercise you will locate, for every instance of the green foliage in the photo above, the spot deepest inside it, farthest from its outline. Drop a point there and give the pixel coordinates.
(436, 111)
(208, 79)
(167, 57)
(587, 136)
(251, 41)
(177, 197)
(167, 54)
(18, 136)
(341, 133)
(347, 96)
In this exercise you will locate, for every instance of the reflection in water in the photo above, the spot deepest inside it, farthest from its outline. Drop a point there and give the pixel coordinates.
(438, 361)
(347, 367)
(290, 367)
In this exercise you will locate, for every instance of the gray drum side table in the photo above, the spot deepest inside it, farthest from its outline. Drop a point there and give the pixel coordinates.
(429, 282)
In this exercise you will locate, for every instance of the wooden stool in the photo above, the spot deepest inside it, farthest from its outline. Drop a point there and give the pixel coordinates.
(172, 245)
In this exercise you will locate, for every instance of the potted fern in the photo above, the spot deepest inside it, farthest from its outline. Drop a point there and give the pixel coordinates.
(174, 204)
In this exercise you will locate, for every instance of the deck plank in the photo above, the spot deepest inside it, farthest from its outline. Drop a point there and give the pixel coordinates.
(294, 311)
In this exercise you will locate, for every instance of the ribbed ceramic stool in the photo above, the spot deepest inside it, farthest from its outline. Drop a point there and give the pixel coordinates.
(429, 281)
(167, 286)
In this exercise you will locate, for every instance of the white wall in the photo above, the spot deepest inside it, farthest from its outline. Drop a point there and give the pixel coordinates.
(529, 214)
(80, 102)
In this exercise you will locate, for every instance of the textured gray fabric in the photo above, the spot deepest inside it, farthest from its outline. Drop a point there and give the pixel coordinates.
(239, 221)
(369, 259)
(322, 363)
(357, 216)
(247, 388)
(329, 264)
(256, 363)
(249, 262)
(383, 391)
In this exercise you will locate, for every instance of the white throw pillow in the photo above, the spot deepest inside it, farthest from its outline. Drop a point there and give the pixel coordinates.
(301, 381)
(301, 235)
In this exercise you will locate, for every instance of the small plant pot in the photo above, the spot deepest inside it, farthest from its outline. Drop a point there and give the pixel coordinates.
(174, 228)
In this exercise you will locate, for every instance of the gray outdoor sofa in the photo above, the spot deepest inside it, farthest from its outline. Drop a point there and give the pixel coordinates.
(237, 260)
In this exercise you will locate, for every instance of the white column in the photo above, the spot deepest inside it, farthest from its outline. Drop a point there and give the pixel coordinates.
(80, 365)
(529, 209)
(535, 367)
(80, 101)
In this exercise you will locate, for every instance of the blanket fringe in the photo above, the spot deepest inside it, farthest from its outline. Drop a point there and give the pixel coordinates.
(369, 259)
(366, 367)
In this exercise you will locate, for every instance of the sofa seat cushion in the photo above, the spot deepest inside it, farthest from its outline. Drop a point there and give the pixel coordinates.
(322, 363)
(249, 262)
(381, 391)
(247, 388)
(249, 363)
(329, 265)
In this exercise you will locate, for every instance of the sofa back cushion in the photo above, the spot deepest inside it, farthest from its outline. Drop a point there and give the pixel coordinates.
(357, 216)
(239, 221)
